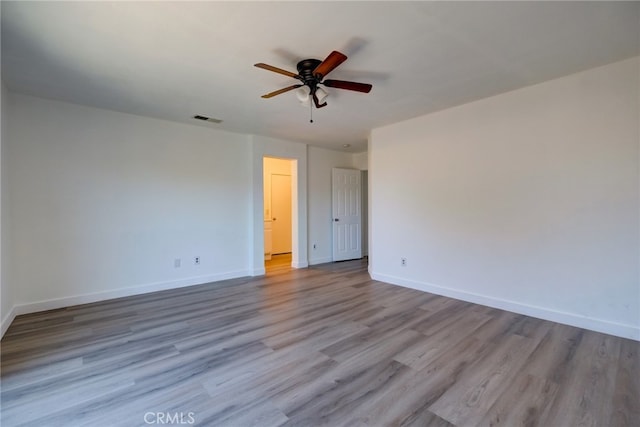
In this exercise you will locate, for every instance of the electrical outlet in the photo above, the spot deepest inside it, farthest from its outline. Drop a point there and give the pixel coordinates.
(403, 262)
(177, 262)
(196, 260)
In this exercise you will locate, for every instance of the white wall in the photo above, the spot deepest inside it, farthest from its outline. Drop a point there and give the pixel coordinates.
(361, 161)
(321, 162)
(527, 201)
(6, 291)
(102, 203)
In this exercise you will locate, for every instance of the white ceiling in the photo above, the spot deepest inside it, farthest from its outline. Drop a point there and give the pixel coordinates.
(172, 60)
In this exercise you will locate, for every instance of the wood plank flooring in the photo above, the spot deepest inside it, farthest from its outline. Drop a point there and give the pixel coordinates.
(278, 262)
(323, 346)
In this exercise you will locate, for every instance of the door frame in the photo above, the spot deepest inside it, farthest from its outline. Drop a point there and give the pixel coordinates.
(261, 147)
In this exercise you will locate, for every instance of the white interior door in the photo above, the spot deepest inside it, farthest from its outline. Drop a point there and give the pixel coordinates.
(281, 214)
(347, 214)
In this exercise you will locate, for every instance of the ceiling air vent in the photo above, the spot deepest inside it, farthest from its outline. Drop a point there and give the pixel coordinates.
(207, 119)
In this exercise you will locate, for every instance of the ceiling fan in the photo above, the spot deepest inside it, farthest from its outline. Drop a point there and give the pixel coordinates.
(311, 73)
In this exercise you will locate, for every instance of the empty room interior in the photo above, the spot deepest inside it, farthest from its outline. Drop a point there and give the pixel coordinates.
(320, 213)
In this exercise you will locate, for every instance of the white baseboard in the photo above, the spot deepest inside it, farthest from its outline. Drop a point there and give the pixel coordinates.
(598, 325)
(572, 319)
(258, 271)
(7, 321)
(53, 304)
(324, 260)
(300, 264)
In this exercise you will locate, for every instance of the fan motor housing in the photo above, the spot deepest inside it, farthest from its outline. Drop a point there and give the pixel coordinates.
(305, 70)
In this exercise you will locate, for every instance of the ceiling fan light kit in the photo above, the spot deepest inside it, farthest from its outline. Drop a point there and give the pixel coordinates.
(303, 94)
(311, 72)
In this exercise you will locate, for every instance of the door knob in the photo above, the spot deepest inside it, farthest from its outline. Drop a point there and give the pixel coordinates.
(336, 219)
(274, 219)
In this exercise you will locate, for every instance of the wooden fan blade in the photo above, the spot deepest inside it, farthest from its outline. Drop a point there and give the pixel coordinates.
(334, 59)
(278, 92)
(341, 84)
(277, 70)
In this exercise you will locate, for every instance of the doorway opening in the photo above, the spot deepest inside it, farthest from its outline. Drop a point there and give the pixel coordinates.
(279, 199)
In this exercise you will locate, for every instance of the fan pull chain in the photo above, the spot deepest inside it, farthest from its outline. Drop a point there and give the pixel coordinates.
(310, 111)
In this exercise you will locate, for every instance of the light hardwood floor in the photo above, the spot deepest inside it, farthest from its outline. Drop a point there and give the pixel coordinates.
(319, 346)
(278, 262)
